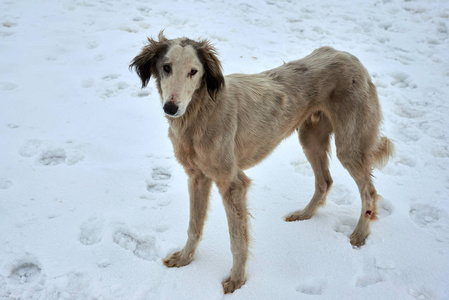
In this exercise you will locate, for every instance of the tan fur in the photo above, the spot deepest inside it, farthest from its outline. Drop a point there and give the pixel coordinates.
(231, 123)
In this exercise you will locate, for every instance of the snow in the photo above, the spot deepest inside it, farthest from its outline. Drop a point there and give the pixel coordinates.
(92, 198)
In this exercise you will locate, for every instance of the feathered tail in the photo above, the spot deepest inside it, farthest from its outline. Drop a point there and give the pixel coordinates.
(381, 152)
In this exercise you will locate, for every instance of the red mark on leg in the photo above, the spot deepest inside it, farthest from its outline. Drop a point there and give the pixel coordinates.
(370, 215)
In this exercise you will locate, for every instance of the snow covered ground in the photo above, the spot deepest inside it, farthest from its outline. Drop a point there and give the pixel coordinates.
(91, 196)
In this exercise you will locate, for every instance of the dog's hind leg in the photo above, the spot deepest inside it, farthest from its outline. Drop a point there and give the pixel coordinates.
(354, 163)
(314, 135)
(355, 137)
(233, 193)
(199, 191)
(356, 116)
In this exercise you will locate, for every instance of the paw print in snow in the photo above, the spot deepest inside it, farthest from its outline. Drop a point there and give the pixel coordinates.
(91, 231)
(25, 271)
(312, 287)
(5, 183)
(159, 181)
(50, 155)
(140, 247)
(428, 216)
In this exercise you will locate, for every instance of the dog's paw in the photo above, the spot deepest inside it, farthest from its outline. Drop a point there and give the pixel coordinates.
(230, 285)
(178, 260)
(357, 238)
(298, 216)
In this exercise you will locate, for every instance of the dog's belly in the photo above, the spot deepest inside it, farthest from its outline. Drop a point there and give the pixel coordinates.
(254, 146)
(266, 115)
(250, 157)
(256, 139)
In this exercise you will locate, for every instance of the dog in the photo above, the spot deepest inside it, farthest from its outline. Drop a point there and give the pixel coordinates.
(221, 125)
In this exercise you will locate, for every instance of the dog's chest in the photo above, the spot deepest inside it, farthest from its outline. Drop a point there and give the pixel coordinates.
(183, 149)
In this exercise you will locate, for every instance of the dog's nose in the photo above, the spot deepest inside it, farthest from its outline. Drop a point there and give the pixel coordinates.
(170, 108)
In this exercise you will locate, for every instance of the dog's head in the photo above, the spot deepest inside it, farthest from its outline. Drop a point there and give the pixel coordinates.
(180, 67)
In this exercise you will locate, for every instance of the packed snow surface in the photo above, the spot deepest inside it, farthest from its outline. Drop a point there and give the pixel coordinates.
(92, 198)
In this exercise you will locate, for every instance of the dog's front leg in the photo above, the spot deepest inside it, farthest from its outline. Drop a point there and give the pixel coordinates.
(234, 199)
(199, 191)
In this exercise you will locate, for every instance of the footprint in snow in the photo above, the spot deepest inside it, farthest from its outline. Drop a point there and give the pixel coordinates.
(91, 231)
(52, 157)
(25, 271)
(346, 226)
(408, 112)
(110, 77)
(433, 218)
(341, 195)
(421, 293)
(406, 161)
(425, 215)
(144, 10)
(312, 286)
(113, 88)
(30, 148)
(5, 184)
(143, 248)
(368, 279)
(99, 57)
(122, 85)
(6, 28)
(440, 151)
(302, 166)
(401, 80)
(12, 126)
(7, 86)
(49, 154)
(73, 285)
(141, 94)
(375, 270)
(159, 181)
(92, 45)
(9, 24)
(384, 208)
(408, 134)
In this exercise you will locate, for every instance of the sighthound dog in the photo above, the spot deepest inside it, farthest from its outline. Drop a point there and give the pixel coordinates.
(221, 125)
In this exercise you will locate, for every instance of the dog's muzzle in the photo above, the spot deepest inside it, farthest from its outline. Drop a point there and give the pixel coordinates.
(170, 108)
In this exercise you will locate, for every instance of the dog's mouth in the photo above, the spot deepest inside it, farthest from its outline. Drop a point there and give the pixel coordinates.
(173, 116)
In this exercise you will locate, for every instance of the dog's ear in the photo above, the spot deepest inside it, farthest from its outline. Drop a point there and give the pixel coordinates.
(145, 62)
(212, 68)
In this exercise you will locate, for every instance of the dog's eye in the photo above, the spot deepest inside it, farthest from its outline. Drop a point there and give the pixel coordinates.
(167, 68)
(192, 72)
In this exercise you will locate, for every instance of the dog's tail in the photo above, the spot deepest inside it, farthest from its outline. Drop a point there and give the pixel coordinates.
(381, 152)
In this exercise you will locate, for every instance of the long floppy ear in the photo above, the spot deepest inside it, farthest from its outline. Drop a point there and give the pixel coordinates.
(212, 68)
(145, 62)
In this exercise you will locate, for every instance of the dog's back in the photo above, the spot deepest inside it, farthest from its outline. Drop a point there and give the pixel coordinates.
(272, 104)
